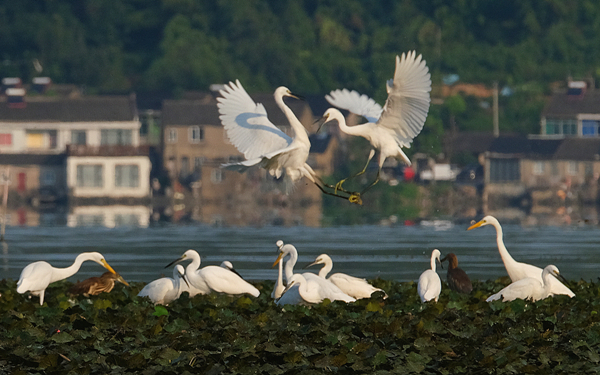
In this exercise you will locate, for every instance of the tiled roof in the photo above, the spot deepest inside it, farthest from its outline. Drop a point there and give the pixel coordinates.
(563, 105)
(32, 159)
(548, 149)
(87, 109)
(578, 149)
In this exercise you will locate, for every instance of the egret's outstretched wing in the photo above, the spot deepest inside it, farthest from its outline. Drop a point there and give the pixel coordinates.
(408, 99)
(355, 103)
(246, 123)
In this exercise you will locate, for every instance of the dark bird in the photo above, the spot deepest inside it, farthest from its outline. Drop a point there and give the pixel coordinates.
(456, 277)
(96, 285)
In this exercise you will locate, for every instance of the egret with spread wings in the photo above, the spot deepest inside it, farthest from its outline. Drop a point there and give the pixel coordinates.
(261, 142)
(396, 124)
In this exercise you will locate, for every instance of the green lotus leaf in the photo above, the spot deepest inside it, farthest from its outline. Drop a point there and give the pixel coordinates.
(160, 310)
(62, 337)
(102, 304)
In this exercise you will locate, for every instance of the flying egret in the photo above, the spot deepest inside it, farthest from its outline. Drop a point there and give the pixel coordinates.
(396, 124)
(96, 285)
(165, 290)
(517, 270)
(430, 285)
(326, 288)
(458, 280)
(214, 278)
(36, 276)
(279, 287)
(261, 142)
(352, 286)
(529, 288)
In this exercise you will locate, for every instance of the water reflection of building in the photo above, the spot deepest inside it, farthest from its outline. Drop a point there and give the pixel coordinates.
(109, 216)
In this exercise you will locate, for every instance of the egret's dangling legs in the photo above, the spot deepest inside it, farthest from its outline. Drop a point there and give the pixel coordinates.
(338, 186)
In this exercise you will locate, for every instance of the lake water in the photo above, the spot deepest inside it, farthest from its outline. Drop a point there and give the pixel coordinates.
(395, 252)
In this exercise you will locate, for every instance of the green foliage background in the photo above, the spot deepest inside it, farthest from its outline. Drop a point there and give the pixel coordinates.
(119, 333)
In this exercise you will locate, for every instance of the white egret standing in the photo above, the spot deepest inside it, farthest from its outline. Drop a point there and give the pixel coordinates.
(36, 276)
(214, 278)
(279, 287)
(352, 286)
(396, 124)
(165, 290)
(430, 285)
(301, 291)
(261, 142)
(529, 288)
(517, 270)
(326, 288)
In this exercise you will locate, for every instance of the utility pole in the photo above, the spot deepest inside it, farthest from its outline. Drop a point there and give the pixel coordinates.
(496, 127)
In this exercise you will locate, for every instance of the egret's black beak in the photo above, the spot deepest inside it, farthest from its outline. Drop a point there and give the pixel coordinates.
(309, 265)
(296, 96)
(175, 261)
(321, 122)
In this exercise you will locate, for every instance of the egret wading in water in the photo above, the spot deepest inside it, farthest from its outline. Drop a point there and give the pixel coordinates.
(396, 124)
(36, 276)
(457, 279)
(529, 288)
(96, 285)
(165, 290)
(430, 285)
(261, 142)
(214, 278)
(517, 270)
(352, 286)
(325, 288)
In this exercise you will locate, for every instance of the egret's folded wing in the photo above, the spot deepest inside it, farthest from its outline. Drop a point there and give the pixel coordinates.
(355, 103)
(408, 99)
(246, 123)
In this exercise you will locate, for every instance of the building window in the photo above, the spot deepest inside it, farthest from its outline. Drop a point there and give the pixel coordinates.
(78, 137)
(505, 170)
(539, 167)
(116, 137)
(127, 176)
(196, 134)
(5, 139)
(573, 168)
(48, 178)
(198, 161)
(185, 166)
(561, 126)
(172, 135)
(89, 176)
(216, 175)
(589, 128)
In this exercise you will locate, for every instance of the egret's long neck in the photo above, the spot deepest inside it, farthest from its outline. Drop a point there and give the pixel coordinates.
(280, 276)
(433, 263)
(326, 268)
(289, 265)
(352, 130)
(547, 281)
(193, 266)
(63, 273)
(506, 258)
(299, 129)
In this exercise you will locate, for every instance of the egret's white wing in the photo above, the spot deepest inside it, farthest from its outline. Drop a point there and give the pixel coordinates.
(35, 276)
(408, 99)
(355, 103)
(246, 123)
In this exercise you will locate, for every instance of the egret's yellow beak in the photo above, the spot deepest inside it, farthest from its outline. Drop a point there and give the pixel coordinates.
(476, 225)
(107, 266)
(278, 259)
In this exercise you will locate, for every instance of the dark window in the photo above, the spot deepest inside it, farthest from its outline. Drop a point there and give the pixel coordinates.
(504, 170)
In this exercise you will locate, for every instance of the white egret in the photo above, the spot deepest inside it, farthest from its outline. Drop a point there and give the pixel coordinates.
(261, 142)
(165, 290)
(352, 286)
(279, 287)
(396, 124)
(326, 288)
(36, 276)
(430, 285)
(529, 288)
(214, 278)
(96, 285)
(517, 270)
(301, 291)
(457, 278)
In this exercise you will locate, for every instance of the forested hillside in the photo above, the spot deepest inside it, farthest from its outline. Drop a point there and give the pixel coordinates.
(169, 46)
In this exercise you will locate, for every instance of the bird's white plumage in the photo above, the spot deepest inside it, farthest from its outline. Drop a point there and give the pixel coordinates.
(518, 270)
(279, 287)
(430, 285)
(326, 288)
(165, 290)
(529, 288)
(353, 286)
(403, 114)
(214, 278)
(301, 291)
(36, 276)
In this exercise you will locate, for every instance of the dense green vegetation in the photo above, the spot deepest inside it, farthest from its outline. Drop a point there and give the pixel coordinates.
(119, 333)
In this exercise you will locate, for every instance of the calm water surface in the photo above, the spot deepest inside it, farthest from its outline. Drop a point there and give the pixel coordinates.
(399, 253)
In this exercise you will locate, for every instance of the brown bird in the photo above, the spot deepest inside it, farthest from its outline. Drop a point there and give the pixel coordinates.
(96, 285)
(456, 277)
